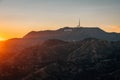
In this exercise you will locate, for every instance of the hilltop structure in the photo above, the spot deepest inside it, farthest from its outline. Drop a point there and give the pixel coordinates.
(78, 24)
(73, 33)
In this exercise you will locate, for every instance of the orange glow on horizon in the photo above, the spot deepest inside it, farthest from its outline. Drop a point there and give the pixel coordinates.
(2, 39)
(18, 32)
(111, 28)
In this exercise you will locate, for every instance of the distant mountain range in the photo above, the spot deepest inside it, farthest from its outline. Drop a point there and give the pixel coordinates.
(74, 34)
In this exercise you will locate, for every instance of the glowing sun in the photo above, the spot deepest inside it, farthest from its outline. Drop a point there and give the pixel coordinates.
(2, 39)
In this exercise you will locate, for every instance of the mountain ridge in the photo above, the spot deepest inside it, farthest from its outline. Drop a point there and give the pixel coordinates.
(73, 33)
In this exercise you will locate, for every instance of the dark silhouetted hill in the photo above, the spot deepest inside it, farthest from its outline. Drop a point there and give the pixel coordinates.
(74, 34)
(88, 59)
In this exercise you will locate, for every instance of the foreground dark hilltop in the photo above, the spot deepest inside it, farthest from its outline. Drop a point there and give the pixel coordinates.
(88, 59)
(74, 34)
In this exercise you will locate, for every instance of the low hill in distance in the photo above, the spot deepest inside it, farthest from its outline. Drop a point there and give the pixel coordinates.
(74, 34)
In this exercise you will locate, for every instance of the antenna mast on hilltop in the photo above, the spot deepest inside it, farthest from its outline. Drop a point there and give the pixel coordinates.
(78, 23)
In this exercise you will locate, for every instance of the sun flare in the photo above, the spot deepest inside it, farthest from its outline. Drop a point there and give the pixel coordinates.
(2, 39)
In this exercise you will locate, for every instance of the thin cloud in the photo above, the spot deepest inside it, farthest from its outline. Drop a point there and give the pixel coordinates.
(118, 26)
(111, 28)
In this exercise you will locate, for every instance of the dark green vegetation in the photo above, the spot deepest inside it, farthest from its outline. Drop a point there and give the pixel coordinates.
(88, 59)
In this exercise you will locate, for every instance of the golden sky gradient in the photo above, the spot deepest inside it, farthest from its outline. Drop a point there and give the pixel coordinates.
(18, 17)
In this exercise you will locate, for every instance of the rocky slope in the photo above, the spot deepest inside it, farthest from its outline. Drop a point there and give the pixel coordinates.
(88, 59)
(14, 46)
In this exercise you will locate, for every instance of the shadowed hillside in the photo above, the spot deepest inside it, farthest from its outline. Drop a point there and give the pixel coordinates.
(15, 46)
(88, 59)
(76, 34)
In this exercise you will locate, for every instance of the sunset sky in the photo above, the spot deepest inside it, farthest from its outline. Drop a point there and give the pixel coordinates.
(18, 17)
